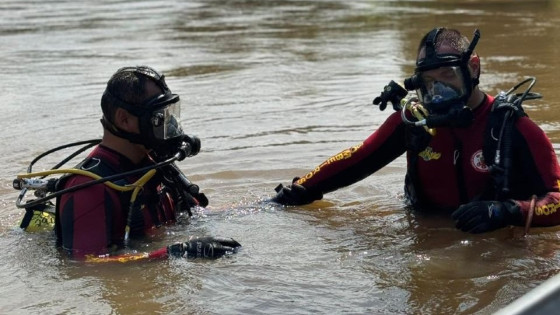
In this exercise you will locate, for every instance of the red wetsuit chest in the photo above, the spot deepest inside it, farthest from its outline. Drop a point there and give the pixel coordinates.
(451, 169)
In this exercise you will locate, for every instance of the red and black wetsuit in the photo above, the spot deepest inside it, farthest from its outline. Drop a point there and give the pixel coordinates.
(92, 220)
(450, 170)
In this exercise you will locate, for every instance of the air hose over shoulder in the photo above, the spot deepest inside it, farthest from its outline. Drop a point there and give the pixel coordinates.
(47, 189)
(507, 108)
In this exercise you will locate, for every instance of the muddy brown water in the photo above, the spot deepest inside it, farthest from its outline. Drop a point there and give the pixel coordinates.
(272, 88)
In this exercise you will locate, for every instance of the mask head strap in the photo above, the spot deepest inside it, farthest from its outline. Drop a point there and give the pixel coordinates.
(433, 60)
(142, 110)
(430, 46)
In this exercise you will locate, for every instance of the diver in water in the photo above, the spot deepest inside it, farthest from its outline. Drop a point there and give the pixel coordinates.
(476, 157)
(141, 131)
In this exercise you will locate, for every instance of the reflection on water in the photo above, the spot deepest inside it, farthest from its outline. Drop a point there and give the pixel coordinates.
(272, 88)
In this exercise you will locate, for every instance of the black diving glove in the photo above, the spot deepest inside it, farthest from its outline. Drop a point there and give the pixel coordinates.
(295, 194)
(485, 216)
(204, 247)
(392, 92)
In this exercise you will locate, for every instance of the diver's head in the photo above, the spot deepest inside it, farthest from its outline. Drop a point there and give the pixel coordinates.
(143, 94)
(447, 71)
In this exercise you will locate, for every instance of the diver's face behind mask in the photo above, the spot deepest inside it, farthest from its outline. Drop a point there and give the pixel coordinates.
(159, 119)
(164, 122)
(166, 137)
(443, 79)
(442, 89)
(158, 116)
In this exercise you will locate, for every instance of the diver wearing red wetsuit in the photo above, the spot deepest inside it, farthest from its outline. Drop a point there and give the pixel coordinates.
(447, 171)
(141, 129)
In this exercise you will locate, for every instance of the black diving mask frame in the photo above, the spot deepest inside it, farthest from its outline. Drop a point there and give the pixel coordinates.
(438, 97)
(159, 116)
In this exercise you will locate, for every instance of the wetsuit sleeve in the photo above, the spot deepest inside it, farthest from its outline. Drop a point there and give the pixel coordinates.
(540, 167)
(86, 218)
(356, 163)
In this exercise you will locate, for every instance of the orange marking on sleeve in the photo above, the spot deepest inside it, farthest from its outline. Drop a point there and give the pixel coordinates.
(547, 209)
(346, 154)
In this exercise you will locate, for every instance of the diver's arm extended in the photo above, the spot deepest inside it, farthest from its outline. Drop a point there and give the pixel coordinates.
(89, 227)
(349, 166)
(196, 247)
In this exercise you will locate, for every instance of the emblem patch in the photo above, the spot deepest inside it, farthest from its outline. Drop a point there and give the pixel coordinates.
(477, 161)
(429, 154)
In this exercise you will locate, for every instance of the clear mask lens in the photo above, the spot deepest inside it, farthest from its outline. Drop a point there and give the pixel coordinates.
(443, 85)
(166, 122)
(439, 93)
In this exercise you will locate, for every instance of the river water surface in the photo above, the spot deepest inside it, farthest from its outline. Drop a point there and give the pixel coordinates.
(272, 88)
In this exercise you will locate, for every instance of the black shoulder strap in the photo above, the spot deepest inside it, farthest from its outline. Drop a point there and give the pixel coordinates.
(497, 148)
(416, 141)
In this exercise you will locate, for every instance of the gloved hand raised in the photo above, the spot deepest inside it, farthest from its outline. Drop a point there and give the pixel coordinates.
(295, 194)
(204, 247)
(485, 216)
(392, 92)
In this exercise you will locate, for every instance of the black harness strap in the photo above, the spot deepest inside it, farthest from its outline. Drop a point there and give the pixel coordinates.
(498, 142)
(417, 139)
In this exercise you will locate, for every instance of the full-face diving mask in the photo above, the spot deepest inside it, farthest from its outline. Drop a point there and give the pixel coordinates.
(443, 88)
(442, 81)
(158, 116)
(163, 121)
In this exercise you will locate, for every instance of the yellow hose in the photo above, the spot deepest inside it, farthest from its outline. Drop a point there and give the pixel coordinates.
(420, 113)
(139, 183)
(136, 187)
